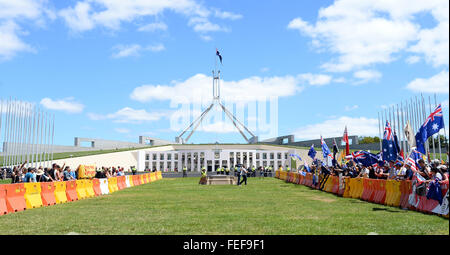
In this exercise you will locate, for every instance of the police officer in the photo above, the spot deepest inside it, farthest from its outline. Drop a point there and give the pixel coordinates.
(203, 178)
(253, 171)
(218, 170)
(203, 172)
(184, 171)
(227, 170)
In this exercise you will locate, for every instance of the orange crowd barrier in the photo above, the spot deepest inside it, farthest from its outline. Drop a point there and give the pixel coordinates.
(3, 209)
(71, 190)
(48, 193)
(96, 187)
(15, 200)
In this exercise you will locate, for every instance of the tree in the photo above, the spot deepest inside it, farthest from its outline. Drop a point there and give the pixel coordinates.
(369, 139)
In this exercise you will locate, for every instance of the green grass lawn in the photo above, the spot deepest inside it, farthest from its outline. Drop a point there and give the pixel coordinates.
(181, 206)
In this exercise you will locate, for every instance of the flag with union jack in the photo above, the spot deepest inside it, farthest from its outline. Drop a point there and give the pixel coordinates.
(433, 123)
(389, 147)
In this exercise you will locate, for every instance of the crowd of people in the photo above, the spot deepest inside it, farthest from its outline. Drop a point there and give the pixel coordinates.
(20, 174)
(434, 170)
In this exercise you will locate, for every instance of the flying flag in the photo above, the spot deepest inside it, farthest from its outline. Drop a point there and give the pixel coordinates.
(326, 152)
(410, 135)
(312, 152)
(389, 149)
(397, 146)
(218, 54)
(432, 125)
(296, 156)
(413, 159)
(345, 139)
(365, 158)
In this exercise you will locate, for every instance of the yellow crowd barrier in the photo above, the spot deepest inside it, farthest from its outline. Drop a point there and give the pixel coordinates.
(81, 189)
(389, 192)
(89, 187)
(112, 184)
(32, 195)
(60, 192)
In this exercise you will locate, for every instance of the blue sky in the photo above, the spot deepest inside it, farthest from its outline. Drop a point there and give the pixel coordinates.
(110, 69)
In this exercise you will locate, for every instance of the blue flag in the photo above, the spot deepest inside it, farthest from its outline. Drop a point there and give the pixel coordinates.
(365, 158)
(389, 147)
(312, 152)
(432, 125)
(296, 155)
(218, 54)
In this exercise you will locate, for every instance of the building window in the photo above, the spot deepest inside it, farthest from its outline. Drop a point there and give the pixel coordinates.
(176, 156)
(161, 156)
(147, 156)
(271, 155)
(264, 155)
(154, 156)
(257, 155)
(278, 155)
(285, 155)
(169, 156)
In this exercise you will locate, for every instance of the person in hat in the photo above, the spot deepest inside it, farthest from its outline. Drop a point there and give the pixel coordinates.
(39, 174)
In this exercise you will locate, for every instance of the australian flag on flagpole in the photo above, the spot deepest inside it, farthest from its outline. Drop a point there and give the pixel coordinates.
(312, 152)
(389, 147)
(218, 54)
(432, 125)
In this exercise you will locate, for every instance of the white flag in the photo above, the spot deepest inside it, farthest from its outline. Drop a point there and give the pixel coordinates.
(410, 135)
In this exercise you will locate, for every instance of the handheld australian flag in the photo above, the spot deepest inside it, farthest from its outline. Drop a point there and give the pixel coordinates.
(389, 147)
(218, 54)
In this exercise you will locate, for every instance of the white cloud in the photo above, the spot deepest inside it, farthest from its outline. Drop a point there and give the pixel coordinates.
(335, 127)
(122, 130)
(11, 44)
(153, 27)
(436, 84)
(264, 69)
(363, 33)
(206, 38)
(127, 50)
(315, 79)
(412, 59)
(88, 14)
(66, 105)
(227, 15)
(11, 14)
(129, 115)
(351, 108)
(365, 76)
(156, 48)
(134, 50)
(198, 89)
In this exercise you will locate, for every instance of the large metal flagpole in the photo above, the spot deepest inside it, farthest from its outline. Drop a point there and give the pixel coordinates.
(445, 136)
(53, 135)
(432, 137)
(7, 134)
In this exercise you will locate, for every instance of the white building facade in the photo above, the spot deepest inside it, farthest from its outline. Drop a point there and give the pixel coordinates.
(214, 156)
